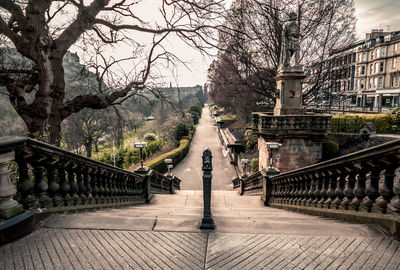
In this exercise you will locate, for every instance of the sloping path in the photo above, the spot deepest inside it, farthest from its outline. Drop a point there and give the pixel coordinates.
(189, 170)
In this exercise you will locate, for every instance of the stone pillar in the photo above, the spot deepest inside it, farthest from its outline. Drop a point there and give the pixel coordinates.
(8, 206)
(146, 172)
(288, 93)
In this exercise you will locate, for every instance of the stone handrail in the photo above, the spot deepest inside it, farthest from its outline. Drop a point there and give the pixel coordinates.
(262, 121)
(49, 177)
(365, 181)
(252, 184)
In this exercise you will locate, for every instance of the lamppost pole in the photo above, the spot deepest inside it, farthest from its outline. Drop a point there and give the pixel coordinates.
(207, 221)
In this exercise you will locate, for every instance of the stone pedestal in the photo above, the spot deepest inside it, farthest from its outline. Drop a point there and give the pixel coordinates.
(288, 95)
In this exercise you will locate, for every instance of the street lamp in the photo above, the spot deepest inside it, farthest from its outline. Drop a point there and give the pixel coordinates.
(168, 161)
(270, 147)
(245, 163)
(140, 145)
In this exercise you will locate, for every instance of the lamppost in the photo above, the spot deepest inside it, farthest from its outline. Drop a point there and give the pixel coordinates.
(245, 163)
(270, 147)
(168, 161)
(140, 145)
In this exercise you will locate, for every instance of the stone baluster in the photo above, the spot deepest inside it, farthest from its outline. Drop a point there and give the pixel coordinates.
(394, 205)
(25, 183)
(72, 183)
(118, 186)
(8, 206)
(291, 191)
(286, 190)
(306, 190)
(40, 186)
(54, 187)
(80, 184)
(100, 191)
(64, 184)
(125, 183)
(94, 183)
(326, 175)
(372, 187)
(349, 188)
(386, 189)
(113, 190)
(88, 188)
(318, 188)
(359, 189)
(297, 190)
(339, 191)
(332, 187)
(301, 188)
(106, 185)
(313, 188)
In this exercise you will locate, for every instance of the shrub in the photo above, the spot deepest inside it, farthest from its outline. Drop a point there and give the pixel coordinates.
(330, 150)
(195, 117)
(150, 137)
(353, 122)
(180, 131)
(176, 155)
(229, 116)
(251, 140)
(254, 165)
(196, 108)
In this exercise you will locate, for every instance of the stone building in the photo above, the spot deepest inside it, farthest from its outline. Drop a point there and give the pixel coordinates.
(377, 71)
(363, 76)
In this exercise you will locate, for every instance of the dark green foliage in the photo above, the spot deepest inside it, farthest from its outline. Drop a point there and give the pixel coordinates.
(254, 165)
(180, 131)
(176, 155)
(196, 108)
(195, 117)
(150, 137)
(251, 140)
(330, 150)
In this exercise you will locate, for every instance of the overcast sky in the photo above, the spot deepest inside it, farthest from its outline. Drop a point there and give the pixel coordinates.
(371, 14)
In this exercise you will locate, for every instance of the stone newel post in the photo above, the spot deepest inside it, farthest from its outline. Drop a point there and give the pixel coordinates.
(8, 206)
(207, 221)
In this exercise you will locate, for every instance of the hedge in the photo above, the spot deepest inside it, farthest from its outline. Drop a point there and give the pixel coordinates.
(176, 155)
(384, 122)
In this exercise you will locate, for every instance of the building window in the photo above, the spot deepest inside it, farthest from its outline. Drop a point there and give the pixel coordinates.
(375, 82)
(359, 57)
(371, 68)
(381, 66)
(363, 70)
(380, 82)
(372, 55)
(376, 67)
(392, 78)
(377, 53)
(364, 57)
(395, 47)
(361, 84)
(394, 62)
(396, 81)
(382, 52)
(370, 83)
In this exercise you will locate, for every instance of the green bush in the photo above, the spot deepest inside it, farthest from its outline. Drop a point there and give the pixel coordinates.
(176, 155)
(330, 150)
(251, 140)
(150, 137)
(180, 131)
(395, 119)
(254, 165)
(229, 116)
(196, 108)
(195, 117)
(384, 122)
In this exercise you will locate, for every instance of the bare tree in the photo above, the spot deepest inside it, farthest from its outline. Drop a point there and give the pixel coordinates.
(42, 31)
(252, 49)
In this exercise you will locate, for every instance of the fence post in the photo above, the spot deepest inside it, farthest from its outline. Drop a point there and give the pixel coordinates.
(207, 221)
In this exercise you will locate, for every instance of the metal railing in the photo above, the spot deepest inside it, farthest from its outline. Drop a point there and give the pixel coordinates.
(35, 175)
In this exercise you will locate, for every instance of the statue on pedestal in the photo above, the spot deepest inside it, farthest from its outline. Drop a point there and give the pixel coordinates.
(290, 45)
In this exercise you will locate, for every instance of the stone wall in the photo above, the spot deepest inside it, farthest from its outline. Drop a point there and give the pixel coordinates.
(295, 153)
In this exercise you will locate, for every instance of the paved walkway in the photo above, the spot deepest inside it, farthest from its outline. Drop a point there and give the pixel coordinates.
(165, 235)
(189, 170)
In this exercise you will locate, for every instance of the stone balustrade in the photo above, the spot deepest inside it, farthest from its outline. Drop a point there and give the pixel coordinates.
(252, 184)
(264, 123)
(364, 181)
(45, 176)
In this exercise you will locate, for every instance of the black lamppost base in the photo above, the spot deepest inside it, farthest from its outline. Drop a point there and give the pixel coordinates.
(207, 224)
